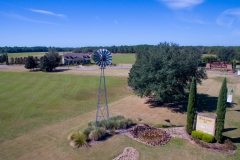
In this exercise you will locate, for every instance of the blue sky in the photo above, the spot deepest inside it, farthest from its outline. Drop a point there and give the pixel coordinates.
(79, 23)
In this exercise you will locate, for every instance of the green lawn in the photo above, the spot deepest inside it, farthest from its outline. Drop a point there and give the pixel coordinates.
(123, 58)
(25, 54)
(30, 100)
(38, 111)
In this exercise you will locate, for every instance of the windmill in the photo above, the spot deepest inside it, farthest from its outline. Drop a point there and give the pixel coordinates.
(102, 58)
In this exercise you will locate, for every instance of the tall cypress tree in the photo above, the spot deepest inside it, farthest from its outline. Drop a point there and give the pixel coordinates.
(221, 110)
(192, 102)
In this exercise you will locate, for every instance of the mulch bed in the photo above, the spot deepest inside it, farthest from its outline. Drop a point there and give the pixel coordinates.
(149, 135)
(227, 147)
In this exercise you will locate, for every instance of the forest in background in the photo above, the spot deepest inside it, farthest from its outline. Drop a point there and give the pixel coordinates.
(112, 49)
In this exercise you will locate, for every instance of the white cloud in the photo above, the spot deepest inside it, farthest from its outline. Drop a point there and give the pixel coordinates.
(181, 4)
(47, 12)
(22, 18)
(116, 22)
(229, 17)
(192, 19)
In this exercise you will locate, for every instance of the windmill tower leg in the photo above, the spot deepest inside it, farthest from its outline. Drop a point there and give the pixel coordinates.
(102, 104)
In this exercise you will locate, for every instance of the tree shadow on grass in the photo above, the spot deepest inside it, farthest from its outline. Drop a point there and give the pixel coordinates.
(228, 129)
(55, 70)
(179, 106)
(60, 70)
(235, 140)
(237, 110)
(205, 103)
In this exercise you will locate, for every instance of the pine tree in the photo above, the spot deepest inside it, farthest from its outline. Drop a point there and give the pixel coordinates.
(221, 110)
(192, 101)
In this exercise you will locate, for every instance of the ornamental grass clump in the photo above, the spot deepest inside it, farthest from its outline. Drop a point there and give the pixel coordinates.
(116, 122)
(97, 134)
(79, 139)
(87, 131)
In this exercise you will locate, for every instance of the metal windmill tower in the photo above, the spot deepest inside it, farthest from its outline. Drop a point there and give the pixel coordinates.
(102, 58)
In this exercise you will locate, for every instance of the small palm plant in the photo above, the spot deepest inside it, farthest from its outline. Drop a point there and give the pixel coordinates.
(79, 139)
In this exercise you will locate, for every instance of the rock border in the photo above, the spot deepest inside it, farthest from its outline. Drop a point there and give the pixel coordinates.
(129, 153)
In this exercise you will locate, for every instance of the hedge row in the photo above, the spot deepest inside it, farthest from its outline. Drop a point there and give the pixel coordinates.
(203, 136)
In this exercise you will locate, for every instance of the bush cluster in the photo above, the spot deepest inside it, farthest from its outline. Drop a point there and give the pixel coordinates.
(116, 122)
(203, 136)
(97, 132)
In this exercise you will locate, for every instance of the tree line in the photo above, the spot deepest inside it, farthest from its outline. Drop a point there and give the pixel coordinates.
(15, 49)
(117, 49)
(47, 63)
(112, 49)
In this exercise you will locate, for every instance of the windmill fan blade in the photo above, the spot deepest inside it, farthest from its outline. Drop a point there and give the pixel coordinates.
(102, 57)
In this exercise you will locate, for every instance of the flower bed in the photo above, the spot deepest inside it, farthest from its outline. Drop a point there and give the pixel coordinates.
(150, 135)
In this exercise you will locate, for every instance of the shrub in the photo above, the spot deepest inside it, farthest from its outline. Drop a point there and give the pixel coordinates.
(129, 122)
(112, 131)
(197, 134)
(91, 124)
(123, 124)
(88, 131)
(229, 144)
(79, 139)
(208, 138)
(118, 117)
(97, 134)
(113, 124)
(73, 136)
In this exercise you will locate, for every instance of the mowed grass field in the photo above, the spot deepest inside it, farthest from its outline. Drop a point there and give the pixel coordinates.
(39, 110)
(26, 54)
(123, 58)
(117, 58)
(30, 100)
